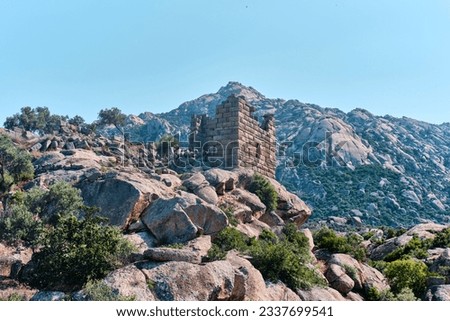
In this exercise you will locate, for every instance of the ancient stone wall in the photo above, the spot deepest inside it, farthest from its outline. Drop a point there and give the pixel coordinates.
(234, 138)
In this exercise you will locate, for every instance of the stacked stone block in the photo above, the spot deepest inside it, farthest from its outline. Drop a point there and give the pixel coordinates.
(234, 138)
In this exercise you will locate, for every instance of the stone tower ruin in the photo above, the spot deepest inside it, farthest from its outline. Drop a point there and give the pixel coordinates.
(235, 138)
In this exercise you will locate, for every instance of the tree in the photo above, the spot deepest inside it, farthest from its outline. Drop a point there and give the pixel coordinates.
(37, 119)
(15, 165)
(76, 120)
(112, 116)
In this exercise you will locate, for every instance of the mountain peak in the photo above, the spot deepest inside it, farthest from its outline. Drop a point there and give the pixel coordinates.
(238, 89)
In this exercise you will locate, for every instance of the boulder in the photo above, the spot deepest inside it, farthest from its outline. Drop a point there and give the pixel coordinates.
(251, 200)
(290, 205)
(423, 231)
(253, 229)
(142, 241)
(12, 260)
(381, 251)
(129, 281)
(198, 185)
(191, 213)
(320, 294)
(221, 180)
(272, 219)
(363, 275)
(250, 285)
(426, 230)
(122, 197)
(182, 281)
(200, 245)
(168, 254)
(48, 296)
(168, 222)
(438, 293)
(441, 265)
(338, 279)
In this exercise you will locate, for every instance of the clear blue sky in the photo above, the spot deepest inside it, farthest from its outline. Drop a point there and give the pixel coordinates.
(76, 57)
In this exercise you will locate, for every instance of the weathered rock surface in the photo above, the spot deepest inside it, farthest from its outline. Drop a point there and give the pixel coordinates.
(129, 281)
(364, 276)
(423, 231)
(142, 241)
(182, 281)
(250, 285)
(320, 294)
(438, 293)
(168, 254)
(338, 279)
(168, 222)
(123, 196)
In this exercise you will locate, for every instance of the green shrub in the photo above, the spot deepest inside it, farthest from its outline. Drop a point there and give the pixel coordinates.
(59, 200)
(415, 248)
(19, 225)
(279, 262)
(262, 187)
(99, 291)
(282, 258)
(406, 294)
(230, 238)
(442, 239)
(326, 238)
(407, 273)
(229, 212)
(75, 251)
(15, 165)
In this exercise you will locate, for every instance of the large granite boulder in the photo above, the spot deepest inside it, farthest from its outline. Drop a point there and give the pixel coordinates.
(178, 219)
(122, 197)
(182, 281)
(129, 281)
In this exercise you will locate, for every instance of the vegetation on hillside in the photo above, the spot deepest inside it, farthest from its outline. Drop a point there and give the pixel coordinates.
(15, 165)
(278, 258)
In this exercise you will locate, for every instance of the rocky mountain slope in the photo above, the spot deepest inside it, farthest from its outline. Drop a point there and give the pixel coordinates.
(379, 170)
(178, 223)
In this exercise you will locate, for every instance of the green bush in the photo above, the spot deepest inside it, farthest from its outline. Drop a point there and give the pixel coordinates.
(326, 238)
(99, 291)
(282, 258)
(280, 262)
(229, 212)
(407, 273)
(262, 187)
(15, 165)
(19, 225)
(415, 248)
(442, 239)
(405, 294)
(75, 251)
(59, 200)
